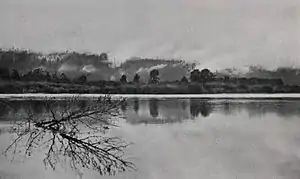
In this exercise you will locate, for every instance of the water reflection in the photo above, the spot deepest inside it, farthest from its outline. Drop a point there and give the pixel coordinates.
(4, 110)
(136, 105)
(159, 111)
(37, 107)
(124, 106)
(153, 107)
(184, 105)
(202, 107)
(69, 132)
(181, 135)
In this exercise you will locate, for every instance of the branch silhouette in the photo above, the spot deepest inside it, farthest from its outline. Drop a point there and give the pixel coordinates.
(73, 135)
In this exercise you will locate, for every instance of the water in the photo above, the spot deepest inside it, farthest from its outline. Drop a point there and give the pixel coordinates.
(188, 139)
(39, 96)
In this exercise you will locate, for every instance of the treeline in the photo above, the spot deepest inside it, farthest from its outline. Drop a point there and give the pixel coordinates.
(41, 75)
(47, 79)
(198, 82)
(36, 75)
(26, 60)
(196, 76)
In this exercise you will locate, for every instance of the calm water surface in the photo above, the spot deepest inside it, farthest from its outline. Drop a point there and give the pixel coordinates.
(188, 139)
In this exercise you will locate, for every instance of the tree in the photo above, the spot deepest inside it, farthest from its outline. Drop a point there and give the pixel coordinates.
(206, 75)
(63, 78)
(154, 76)
(4, 73)
(82, 79)
(226, 79)
(195, 75)
(201, 76)
(69, 135)
(37, 74)
(15, 75)
(104, 56)
(136, 78)
(123, 79)
(184, 80)
(54, 77)
(48, 76)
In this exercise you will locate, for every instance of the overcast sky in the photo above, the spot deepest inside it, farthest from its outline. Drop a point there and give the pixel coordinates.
(217, 33)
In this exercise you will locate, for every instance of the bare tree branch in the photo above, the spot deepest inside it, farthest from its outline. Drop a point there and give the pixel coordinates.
(74, 135)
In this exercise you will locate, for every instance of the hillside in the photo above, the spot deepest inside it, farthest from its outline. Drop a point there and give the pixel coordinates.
(99, 67)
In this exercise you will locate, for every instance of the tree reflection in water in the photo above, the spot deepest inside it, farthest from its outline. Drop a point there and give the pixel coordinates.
(124, 106)
(153, 107)
(4, 109)
(72, 134)
(136, 105)
(202, 107)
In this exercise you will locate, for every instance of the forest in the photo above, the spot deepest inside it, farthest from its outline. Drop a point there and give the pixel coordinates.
(23, 71)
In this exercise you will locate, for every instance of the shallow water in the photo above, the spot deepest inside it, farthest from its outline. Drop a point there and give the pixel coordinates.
(190, 138)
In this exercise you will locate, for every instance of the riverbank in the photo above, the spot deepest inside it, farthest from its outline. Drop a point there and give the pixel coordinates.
(162, 88)
(41, 96)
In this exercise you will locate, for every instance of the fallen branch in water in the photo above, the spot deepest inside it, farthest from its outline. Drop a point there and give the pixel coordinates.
(74, 134)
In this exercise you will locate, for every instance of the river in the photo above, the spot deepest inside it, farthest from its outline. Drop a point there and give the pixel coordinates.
(187, 138)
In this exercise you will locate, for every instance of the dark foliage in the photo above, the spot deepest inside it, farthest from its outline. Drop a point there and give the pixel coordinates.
(195, 75)
(154, 76)
(136, 78)
(15, 75)
(153, 107)
(63, 78)
(123, 79)
(4, 73)
(184, 80)
(103, 56)
(206, 75)
(202, 76)
(81, 80)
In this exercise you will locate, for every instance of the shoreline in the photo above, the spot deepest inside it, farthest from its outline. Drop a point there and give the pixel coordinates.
(41, 96)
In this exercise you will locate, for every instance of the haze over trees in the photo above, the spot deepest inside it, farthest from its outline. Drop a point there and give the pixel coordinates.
(101, 67)
(96, 74)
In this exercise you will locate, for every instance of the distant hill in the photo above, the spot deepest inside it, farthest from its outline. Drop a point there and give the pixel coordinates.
(290, 76)
(73, 64)
(95, 66)
(99, 67)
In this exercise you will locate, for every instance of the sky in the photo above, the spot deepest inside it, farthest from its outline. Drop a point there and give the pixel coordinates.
(215, 33)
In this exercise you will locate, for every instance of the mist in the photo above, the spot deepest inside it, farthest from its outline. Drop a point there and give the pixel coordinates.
(215, 34)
